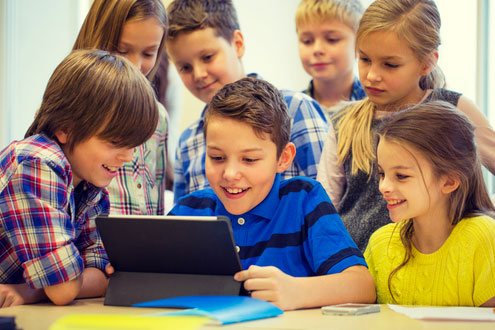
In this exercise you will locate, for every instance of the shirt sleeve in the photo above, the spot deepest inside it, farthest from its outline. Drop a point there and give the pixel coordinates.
(161, 158)
(38, 224)
(484, 264)
(179, 179)
(331, 174)
(329, 247)
(309, 129)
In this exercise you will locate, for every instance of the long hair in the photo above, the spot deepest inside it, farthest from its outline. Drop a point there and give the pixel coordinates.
(445, 137)
(418, 23)
(103, 24)
(96, 93)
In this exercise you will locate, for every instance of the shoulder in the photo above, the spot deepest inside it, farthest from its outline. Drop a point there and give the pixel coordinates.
(447, 95)
(192, 131)
(299, 185)
(298, 102)
(307, 194)
(480, 229)
(202, 201)
(383, 236)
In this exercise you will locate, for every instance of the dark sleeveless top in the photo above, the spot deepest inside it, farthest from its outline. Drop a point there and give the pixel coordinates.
(362, 207)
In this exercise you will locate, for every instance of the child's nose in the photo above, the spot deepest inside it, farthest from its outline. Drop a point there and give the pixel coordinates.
(136, 60)
(231, 171)
(318, 47)
(384, 186)
(199, 72)
(373, 74)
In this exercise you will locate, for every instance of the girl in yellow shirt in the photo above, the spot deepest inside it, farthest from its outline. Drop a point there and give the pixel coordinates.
(441, 251)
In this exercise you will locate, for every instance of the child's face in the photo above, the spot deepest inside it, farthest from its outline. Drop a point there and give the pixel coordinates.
(408, 183)
(139, 42)
(389, 70)
(206, 62)
(94, 160)
(327, 50)
(240, 166)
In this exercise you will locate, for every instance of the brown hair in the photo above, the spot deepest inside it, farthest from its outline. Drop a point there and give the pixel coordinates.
(256, 103)
(103, 24)
(445, 137)
(416, 21)
(346, 11)
(192, 15)
(96, 93)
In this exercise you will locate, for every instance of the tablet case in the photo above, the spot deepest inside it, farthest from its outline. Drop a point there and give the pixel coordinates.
(157, 257)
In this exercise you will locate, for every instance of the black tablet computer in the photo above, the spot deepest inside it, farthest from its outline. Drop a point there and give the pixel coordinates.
(158, 257)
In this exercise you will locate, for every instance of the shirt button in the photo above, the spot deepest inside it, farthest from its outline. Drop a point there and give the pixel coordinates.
(241, 221)
(139, 186)
(237, 248)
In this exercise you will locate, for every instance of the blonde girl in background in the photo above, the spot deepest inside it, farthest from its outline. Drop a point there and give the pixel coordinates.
(397, 44)
(441, 251)
(134, 29)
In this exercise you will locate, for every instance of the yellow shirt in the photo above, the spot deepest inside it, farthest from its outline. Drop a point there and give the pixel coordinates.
(460, 273)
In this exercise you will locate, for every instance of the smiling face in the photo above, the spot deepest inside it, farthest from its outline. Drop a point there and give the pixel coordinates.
(94, 160)
(389, 71)
(139, 42)
(408, 183)
(206, 62)
(241, 170)
(327, 49)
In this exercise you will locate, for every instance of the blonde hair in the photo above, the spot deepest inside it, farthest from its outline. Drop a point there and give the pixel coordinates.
(103, 24)
(418, 23)
(346, 11)
(422, 127)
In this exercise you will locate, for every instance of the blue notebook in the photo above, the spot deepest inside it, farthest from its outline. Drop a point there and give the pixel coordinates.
(224, 309)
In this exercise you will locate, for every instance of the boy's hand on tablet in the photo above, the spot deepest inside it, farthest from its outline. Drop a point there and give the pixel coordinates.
(270, 284)
(109, 270)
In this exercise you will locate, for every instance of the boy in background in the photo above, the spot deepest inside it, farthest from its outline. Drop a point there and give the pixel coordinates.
(326, 30)
(205, 44)
(292, 244)
(52, 182)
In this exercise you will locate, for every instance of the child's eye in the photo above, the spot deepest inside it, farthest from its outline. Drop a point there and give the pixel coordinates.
(250, 160)
(207, 58)
(402, 176)
(150, 54)
(121, 52)
(216, 158)
(333, 40)
(393, 66)
(185, 68)
(306, 41)
(364, 59)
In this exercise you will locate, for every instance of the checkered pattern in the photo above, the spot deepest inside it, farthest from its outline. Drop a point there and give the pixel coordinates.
(44, 238)
(309, 130)
(139, 187)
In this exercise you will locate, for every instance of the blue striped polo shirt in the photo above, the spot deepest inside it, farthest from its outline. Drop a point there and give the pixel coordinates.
(295, 228)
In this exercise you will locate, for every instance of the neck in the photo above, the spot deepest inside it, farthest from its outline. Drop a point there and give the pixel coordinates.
(415, 97)
(431, 232)
(330, 92)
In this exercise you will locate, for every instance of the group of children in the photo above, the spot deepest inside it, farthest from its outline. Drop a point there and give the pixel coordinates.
(309, 182)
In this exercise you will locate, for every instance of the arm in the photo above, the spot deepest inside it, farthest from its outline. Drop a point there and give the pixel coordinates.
(330, 173)
(91, 283)
(19, 294)
(484, 133)
(354, 284)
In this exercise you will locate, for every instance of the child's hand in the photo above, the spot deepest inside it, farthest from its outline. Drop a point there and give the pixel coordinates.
(13, 294)
(109, 269)
(270, 284)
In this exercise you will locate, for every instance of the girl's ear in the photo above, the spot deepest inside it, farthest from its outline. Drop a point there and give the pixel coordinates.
(238, 43)
(430, 63)
(450, 183)
(62, 136)
(286, 157)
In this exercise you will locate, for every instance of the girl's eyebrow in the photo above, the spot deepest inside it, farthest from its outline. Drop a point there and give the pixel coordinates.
(242, 150)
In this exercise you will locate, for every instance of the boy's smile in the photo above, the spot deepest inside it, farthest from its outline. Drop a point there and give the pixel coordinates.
(206, 62)
(240, 166)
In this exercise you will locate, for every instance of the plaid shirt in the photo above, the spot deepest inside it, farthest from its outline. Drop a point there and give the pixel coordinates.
(309, 130)
(44, 239)
(139, 187)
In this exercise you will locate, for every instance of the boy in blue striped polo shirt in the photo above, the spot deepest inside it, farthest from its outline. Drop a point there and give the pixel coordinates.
(292, 244)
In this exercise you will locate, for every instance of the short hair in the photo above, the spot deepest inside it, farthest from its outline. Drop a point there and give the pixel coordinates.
(103, 24)
(192, 15)
(96, 93)
(254, 102)
(348, 12)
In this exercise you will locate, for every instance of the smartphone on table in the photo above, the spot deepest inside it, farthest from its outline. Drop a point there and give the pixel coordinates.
(350, 309)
